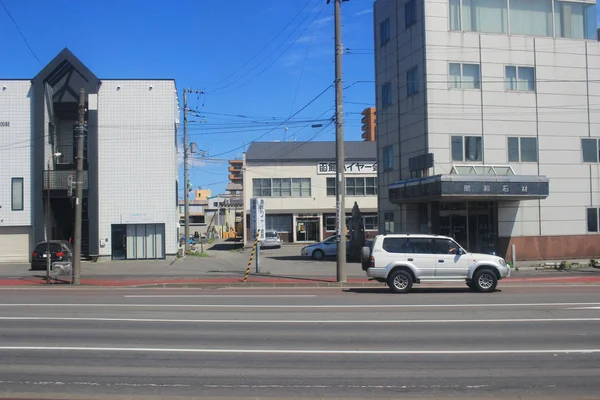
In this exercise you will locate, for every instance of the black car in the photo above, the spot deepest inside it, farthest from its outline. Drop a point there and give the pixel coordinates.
(59, 251)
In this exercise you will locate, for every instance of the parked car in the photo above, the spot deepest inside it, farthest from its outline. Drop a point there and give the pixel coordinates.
(59, 251)
(272, 240)
(399, 260)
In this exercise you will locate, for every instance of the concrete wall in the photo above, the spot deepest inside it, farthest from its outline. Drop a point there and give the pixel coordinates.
(137, 156)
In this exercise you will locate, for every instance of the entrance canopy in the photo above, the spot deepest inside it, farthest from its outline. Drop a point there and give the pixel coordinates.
(471, 182)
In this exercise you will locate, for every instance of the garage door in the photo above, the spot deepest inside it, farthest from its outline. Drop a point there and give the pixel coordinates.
(14, 244)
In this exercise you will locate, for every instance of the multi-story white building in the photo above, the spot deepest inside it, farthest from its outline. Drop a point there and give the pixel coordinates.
(130, 164)
(297, 181)
(487, 123)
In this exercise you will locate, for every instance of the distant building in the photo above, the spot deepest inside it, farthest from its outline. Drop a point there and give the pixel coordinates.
(369, 124)
(235, 191)
(297, 181)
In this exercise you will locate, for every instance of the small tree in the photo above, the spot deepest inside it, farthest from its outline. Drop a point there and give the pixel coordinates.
(357, 233)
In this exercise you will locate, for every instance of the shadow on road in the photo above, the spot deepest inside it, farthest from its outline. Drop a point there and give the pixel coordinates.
(385, 290)
(227, 246)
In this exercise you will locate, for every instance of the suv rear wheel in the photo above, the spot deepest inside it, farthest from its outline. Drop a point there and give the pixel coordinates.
(485, 280)
(400, 281)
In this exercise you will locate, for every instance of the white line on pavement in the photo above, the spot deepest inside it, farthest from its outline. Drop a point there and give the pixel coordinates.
(223, 296)
(584, 308)
(270, 321)
(295, 351)
(368, 306)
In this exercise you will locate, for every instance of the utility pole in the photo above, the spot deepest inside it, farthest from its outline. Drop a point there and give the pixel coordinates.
(79, 189)
(339, 143)
(186, 199)
(186, 153)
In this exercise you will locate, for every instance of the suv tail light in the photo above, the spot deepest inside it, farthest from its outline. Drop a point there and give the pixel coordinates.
(372, 262)
(60, 254)
(34, 254)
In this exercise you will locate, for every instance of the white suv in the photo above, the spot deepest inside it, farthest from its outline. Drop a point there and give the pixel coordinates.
(403, 259)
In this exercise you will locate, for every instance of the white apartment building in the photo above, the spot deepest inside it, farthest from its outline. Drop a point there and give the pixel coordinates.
(297, 181)
(130, 164)
(488, 123)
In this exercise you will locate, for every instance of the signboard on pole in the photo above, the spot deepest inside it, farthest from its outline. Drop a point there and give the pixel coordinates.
(258, 219)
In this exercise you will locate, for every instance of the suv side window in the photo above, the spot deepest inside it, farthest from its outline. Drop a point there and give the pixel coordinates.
(422, 245)
(445, 246)
(395, 245)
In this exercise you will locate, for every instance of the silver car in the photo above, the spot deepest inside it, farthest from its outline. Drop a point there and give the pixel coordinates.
(272, 240)
(326, 248)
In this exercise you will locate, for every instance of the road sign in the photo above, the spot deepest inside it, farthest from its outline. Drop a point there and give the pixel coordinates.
(258, 219)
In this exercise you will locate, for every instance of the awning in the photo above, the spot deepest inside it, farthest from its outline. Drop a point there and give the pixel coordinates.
(467, 182)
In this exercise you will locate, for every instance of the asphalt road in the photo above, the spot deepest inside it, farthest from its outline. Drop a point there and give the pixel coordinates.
(524, 342)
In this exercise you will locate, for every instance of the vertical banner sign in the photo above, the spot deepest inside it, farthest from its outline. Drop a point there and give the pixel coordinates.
(258, 220)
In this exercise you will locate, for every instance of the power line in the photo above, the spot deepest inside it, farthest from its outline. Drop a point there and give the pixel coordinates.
(282, 123)
(20, 32)
(264, 48)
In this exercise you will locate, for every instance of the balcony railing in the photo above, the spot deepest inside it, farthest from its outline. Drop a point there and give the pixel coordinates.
(59, 180)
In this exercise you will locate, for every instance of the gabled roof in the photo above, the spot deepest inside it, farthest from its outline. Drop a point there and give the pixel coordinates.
(291, 151)
(64, 60)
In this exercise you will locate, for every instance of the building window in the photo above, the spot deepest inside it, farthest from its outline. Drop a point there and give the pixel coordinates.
(488, 16)
(471, 151)
(278, 223)
(388, 224)
(361, 186)
(330, 223)
(388, 158)
(575, 20)
(533, 18)
(370, 222)
(455, 24)
(284, 187)
(520, 79)
(410, 13)
(386, 94)
(331, 186)
(522, 149)
(261, 187)
(384, 32)
(412, 83)
(589, 149)
(17, 194)
(464, 76)
(592, 219)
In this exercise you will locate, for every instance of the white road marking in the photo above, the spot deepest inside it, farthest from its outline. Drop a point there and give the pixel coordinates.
(584, 308)
(222, 296)
(296, 351)
(368, 306)
(270, 321)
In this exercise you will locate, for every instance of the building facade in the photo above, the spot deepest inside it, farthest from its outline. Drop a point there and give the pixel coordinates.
(297, 181)
(369, 124)
(487, 129)
(129, 206)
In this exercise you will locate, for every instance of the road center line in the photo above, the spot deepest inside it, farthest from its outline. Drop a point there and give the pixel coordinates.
(269, 321)
(295, 351)
(307, 306)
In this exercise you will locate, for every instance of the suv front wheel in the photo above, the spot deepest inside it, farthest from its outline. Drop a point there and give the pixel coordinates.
(400, 281)
(484, 280)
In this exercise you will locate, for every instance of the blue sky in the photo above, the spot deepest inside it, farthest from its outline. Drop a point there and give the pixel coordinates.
(257, 61)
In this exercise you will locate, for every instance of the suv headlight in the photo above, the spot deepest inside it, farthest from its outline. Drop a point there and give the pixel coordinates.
(502, 262)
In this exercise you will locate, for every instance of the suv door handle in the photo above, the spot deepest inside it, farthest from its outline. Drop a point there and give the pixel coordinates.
(440, 260)
(410, 259)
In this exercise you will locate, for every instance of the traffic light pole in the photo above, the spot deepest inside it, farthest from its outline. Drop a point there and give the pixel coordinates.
(186, 200)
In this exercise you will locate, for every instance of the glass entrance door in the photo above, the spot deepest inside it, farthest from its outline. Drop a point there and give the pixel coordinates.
(119, 242)
(307, 230)
(473, 225)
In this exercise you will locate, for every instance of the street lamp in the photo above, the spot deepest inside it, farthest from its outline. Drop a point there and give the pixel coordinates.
(48, 256)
